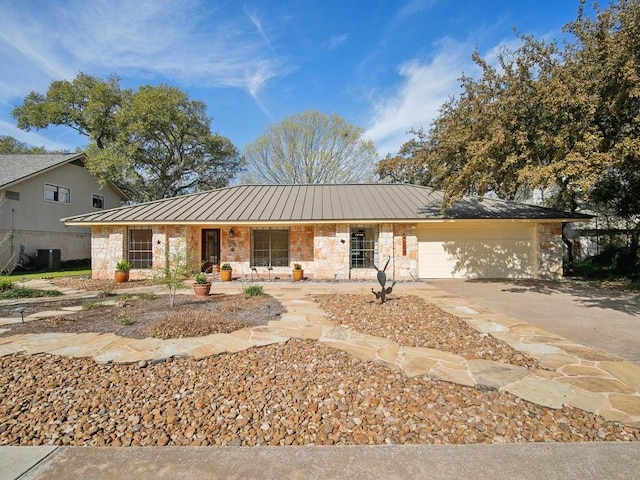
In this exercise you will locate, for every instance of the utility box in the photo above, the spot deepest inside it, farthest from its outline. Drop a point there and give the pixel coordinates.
(49, 259)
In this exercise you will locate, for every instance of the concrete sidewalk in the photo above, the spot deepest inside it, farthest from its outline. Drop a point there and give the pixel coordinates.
(497, 462)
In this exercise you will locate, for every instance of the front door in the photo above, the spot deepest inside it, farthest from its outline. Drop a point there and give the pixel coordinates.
(210, 249)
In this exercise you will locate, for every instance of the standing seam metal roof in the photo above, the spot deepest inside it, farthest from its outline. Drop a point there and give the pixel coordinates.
(309, 203)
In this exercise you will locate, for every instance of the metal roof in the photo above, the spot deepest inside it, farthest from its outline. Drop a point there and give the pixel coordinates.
(17, 168)
(252, 204)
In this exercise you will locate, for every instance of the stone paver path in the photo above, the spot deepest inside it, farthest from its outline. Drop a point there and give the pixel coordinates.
(581, 377)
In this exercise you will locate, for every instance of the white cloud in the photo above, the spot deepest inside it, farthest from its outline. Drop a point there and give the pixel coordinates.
(191, 41)
(425, 87)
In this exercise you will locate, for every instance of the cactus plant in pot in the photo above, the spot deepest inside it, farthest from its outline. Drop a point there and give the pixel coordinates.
(225, 272)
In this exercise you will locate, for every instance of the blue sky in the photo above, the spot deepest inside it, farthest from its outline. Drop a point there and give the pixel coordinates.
(386, 66)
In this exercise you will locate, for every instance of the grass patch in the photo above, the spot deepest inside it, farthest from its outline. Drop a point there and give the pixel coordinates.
(84, 272)
(253, 291)
(126, 320)
(29, 293)
(91, 305)
(147, 296)
(123, 297)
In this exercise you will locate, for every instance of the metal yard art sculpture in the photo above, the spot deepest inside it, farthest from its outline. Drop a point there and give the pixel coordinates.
(382, 280)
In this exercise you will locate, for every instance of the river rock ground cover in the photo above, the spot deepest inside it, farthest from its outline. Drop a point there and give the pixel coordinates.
(295, 393)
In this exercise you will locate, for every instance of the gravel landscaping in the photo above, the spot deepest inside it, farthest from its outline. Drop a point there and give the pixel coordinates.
(295, 393)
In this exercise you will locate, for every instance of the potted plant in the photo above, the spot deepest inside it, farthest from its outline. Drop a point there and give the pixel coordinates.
(202, 285)
(298, 272)
(122, 271)
(225, 272)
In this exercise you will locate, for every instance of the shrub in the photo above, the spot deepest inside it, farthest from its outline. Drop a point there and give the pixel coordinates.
(126, 320)
(253, 291)
(225, 266)
(202, 278)
(5, 284)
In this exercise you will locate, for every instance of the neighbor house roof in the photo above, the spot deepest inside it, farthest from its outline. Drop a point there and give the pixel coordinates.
(17, 168)
(315, 203)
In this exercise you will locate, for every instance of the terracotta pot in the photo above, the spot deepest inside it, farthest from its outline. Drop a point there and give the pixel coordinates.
(201, 289)
(121, 276)
(225, 275)
(298, 275)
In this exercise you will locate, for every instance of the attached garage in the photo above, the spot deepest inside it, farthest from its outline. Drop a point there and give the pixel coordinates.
(471, 249)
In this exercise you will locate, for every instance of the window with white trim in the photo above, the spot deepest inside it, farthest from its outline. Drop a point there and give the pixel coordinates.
(140, 247)
(364, 246)
(270, 247)
(97, 201)
(55, 193)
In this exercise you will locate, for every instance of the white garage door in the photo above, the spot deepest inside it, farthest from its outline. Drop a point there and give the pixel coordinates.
(455, 251)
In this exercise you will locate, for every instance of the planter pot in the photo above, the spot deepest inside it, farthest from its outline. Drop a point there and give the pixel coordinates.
(201, 289)
(297, 275)
(121, 276)
(225, 275)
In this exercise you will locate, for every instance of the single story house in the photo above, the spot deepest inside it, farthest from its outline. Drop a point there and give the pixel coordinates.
(334, 232)
(35, 191)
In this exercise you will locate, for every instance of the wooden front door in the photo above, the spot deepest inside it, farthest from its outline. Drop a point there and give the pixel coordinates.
(210, 249)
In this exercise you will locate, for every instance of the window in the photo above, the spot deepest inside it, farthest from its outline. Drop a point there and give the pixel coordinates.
(270, 247)
(364, 246)
(140, 247)
(10, 195)
(53, 193)
(97, 201)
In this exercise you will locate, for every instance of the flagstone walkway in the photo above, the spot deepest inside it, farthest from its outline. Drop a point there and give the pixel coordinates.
(581, 377)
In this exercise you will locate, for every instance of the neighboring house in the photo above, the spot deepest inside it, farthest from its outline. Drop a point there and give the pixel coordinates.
(334, 231)
(35, 192)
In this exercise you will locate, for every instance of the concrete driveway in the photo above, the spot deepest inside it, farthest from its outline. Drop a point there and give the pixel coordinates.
(603, 319)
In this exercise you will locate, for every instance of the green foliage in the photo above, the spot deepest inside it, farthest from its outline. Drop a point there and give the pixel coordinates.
(201, 278)
(153, 143)
(5, 284)
(124, 265)
(11, 146)
(86, 104)
(253, 291)
(126, 320)
(312, 148)
(297, 266)
(147, 296)
(123, 297)
(225, 266)
(23, 292)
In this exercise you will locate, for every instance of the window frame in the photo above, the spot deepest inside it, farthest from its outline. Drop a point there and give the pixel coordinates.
(56, 190)
(268, 257)
(94, 197)
(365, 253)
(141, 258)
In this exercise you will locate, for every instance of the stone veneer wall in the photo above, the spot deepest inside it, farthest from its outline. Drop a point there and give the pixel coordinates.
(107, 249)
(323, 250)
(550, 250)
